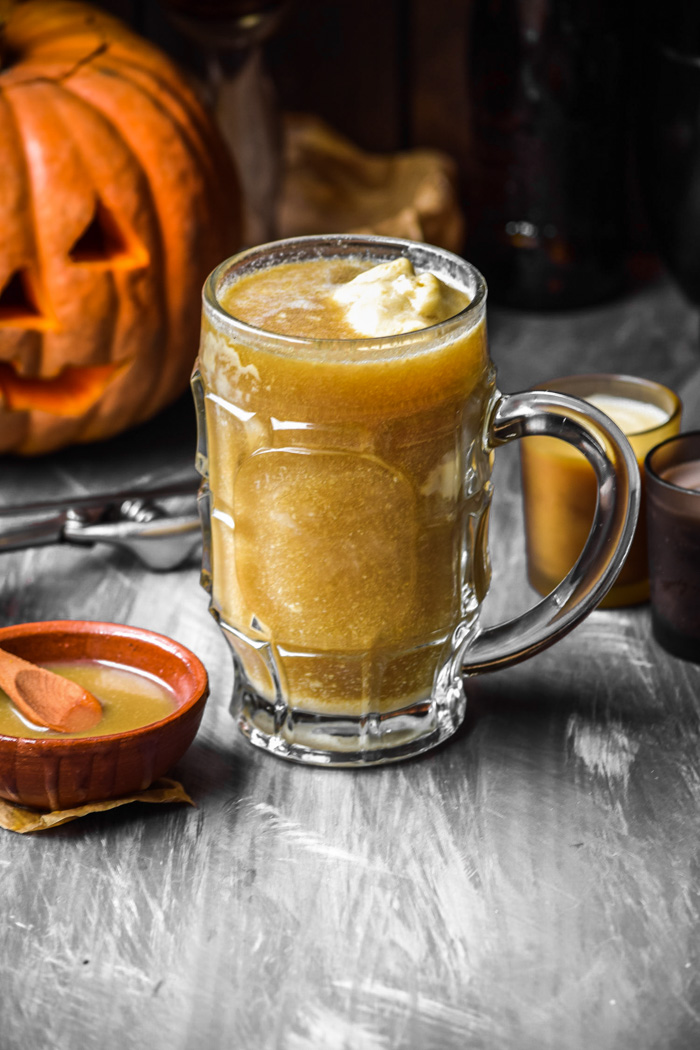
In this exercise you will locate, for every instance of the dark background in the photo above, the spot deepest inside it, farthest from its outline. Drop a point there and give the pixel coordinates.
(390, 74)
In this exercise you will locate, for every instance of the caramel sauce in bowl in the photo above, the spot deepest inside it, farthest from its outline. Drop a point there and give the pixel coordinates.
(49, 770)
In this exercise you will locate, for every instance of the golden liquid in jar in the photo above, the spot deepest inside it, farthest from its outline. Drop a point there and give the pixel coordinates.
(342, 536)
(560, 491)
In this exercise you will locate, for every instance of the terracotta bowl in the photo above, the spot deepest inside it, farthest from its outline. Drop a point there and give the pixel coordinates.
(55, 773)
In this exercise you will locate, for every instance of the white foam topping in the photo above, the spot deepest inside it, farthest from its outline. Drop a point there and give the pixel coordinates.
(391, 298)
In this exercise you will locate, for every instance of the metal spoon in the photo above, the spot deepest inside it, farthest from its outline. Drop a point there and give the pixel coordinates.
(159, 525)
(46, 698)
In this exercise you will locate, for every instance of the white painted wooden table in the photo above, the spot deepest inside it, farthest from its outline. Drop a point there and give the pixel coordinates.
(533, 884)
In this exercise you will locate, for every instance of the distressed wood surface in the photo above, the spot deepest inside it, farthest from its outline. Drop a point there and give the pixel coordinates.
(532, 884)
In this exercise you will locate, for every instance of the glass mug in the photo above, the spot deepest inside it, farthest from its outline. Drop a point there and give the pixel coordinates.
(344, 503)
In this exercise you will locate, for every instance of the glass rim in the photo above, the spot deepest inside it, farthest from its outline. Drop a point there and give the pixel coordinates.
(622, 377)
(395, 247)
(664, 482)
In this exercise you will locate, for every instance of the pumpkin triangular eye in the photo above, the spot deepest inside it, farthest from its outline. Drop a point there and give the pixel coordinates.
(104, 243)
(19, 303)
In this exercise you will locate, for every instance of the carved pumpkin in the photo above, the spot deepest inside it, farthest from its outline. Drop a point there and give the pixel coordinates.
(116, 199)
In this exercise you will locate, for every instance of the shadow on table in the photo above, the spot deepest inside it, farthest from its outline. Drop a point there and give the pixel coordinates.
(208, 771)
(520, 692)
(159, 451)
(205, 772)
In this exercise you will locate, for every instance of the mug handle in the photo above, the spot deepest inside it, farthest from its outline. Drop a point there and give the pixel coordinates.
(543, 413)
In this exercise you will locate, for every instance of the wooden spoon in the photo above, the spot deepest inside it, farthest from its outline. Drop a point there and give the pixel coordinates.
(46, 698)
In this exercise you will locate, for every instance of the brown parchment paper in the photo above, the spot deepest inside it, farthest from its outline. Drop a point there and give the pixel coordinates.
(16, 818)
(330, 185)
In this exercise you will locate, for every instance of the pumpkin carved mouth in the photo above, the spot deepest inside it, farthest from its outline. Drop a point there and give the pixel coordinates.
(70, 393)
(75, 389)
(117, 197)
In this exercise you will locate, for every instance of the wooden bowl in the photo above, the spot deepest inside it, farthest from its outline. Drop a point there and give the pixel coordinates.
(55, 773)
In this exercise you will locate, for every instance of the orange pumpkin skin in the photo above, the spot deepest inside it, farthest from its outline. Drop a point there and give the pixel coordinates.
(117, 198)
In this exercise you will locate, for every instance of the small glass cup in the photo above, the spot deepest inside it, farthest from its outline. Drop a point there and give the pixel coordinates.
(345, 499)
(673, 511)
(560, 491)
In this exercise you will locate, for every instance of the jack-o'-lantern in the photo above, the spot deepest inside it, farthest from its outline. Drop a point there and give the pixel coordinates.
(117, 197)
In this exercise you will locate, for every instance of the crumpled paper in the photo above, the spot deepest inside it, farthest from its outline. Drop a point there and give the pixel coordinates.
(330, 185)
(17, 818)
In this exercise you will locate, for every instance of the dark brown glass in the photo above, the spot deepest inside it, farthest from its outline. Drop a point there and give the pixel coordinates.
(668, 135)
(673, 514)
(545, 181)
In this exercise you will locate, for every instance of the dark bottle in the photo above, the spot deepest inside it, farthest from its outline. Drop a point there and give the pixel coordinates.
(546, 180)
(668, 135)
